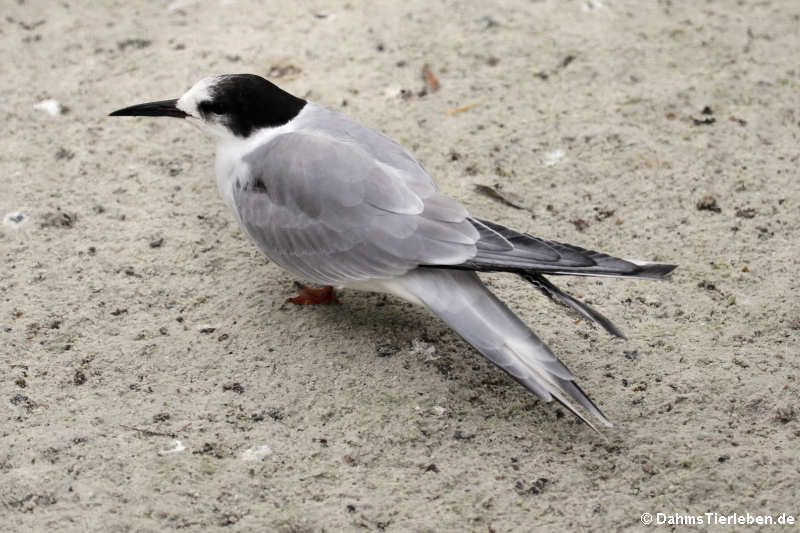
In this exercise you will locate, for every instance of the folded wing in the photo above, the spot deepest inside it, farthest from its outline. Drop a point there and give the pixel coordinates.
(502, 249)
(329, 211)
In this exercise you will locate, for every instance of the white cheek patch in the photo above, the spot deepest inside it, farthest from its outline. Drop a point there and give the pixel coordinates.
(211, 127)
(199, 92)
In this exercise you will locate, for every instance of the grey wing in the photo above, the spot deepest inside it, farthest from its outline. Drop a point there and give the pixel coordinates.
(379, 146)
(330, 211)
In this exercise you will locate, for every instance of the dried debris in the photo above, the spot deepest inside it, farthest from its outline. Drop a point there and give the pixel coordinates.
(544, 75)
(580, 224)
(707, 111)
(58, 219)
(212, 449)
(703, 122)
(431, 82)
(24, 401)
(531, 488)
(462, 108)
(785, 414)
(282, 71)
(233, 387)
(422, 347)
(14, 219)
(495, 194)
(28, 26)
(708, 285)
(29, 502)
(133, 43)
(63, 153)
(275, 413)
(486, 22)
(708, 203)
(79, 378)
(764, 232)
(602, 213)
(386, 350)
(461, 435)
(148, 432)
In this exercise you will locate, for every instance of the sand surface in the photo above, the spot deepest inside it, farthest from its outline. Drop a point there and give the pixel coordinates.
(152, 377)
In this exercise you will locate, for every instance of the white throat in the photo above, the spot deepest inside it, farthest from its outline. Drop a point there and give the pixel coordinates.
(230, 163)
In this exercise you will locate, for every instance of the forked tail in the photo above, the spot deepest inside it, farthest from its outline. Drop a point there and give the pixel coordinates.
(461, 300)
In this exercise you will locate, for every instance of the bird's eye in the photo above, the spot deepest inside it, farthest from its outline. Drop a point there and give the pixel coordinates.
(212, 107)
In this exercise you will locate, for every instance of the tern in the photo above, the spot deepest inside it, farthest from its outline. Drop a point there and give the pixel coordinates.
(340, 204)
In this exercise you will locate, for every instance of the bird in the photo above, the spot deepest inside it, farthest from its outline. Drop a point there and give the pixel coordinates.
(338, 203)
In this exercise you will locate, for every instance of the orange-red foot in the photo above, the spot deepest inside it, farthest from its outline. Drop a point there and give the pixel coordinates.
(311, 296)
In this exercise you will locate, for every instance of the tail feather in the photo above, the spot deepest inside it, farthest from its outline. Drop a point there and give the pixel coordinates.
(461, 300)
(562, 298)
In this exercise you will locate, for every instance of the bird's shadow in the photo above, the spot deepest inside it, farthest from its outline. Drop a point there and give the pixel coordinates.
(375, 316)
(401, 325)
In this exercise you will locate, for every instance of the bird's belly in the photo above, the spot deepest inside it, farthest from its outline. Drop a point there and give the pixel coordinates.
(394, 286)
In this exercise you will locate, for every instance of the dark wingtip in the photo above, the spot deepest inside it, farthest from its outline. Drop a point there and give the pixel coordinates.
(582, 309)
(613, 330)
(656, 271)
(577, 394)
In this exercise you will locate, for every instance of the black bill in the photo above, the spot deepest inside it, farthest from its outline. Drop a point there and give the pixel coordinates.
(164, 108)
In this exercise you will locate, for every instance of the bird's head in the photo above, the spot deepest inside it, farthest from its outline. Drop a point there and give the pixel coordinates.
(229, 105)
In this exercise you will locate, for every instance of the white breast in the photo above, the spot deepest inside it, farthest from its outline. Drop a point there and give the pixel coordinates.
(230, 164)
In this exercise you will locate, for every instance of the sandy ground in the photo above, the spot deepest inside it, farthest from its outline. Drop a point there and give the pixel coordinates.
(152, 377)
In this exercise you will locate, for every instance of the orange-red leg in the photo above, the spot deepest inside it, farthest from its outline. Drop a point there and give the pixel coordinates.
(311, 296)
